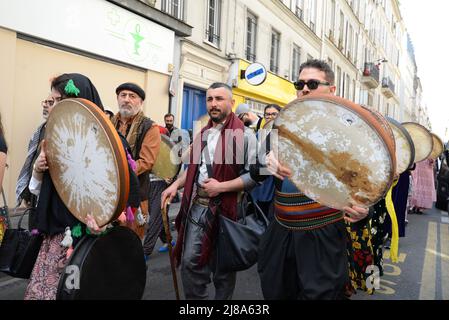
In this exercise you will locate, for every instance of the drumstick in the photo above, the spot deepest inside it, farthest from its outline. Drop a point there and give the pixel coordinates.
(170, 247)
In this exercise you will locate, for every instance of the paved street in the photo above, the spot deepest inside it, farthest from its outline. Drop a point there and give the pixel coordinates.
(421, 273)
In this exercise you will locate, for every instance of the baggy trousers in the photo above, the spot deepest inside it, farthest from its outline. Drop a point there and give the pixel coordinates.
(305, 265)
(195, 279)
(155, 225)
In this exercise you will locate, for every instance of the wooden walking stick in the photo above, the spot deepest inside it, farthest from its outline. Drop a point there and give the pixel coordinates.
(170, 247)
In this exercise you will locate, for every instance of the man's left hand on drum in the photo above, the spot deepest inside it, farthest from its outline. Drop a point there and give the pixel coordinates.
(276, 168)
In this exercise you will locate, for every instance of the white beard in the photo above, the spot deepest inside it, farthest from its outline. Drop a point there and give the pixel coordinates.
(126, 113)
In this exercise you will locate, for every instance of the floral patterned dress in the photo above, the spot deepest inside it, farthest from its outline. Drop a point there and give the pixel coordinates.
(360, 254)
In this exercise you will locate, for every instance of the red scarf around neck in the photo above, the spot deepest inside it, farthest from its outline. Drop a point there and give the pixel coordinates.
(225, 203)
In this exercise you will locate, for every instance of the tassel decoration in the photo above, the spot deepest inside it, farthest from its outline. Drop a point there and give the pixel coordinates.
(131, 161)
(140, 217)
(71, 89)
(68, 240)
(77, 231)
(69, 252)
(129, 214)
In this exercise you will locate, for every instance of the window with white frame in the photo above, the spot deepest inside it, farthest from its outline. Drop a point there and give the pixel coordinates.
(331, 23)
(298, 8)
(213, 22)
(251, 33)
(312, 15)
(347, 87)
(174, 8)
(296, 62)
(341, 30)
(274, 56)
(349, 37)
(338, 78)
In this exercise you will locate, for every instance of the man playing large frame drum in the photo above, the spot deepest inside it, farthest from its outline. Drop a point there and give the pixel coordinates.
(297, 259)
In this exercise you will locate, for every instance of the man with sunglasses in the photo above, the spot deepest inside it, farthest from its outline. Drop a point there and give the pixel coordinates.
(302, 255)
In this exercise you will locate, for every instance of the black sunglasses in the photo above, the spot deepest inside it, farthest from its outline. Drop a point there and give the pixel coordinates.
(311, 84)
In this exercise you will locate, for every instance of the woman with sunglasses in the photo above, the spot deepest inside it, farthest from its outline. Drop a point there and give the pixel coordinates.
(297, 261)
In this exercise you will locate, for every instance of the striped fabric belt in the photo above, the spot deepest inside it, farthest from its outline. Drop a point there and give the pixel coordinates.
(201, 197)
(297, 212)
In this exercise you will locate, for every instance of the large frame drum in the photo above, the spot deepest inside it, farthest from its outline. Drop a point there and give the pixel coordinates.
(422, 139)
(165, 166)
(339, 152)
(87, 161)
(405, 149)
(438, 147)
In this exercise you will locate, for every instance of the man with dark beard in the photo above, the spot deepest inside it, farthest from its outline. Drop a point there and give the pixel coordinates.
(217, 173)
(144, 140)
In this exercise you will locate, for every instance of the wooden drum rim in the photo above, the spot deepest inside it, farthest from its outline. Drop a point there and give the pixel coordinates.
(441, 144)
(401, 128)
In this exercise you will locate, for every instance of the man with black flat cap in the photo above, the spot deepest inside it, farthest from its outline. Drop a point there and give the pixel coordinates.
(143, 137)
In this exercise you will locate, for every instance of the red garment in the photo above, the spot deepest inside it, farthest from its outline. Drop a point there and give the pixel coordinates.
(226, 202)
(163, 130)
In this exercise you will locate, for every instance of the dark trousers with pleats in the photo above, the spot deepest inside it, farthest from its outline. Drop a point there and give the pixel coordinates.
(305, 265)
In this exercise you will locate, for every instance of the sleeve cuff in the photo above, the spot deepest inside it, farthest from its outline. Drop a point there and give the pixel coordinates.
(35, 186)
(248, 182)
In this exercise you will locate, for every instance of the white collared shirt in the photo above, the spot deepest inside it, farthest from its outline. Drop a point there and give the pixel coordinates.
(213, 134)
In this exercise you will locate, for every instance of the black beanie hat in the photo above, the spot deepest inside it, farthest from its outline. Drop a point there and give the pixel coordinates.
(131, 87)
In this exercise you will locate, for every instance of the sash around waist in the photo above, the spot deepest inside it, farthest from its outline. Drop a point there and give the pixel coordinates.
(202, 197)
(298, 212)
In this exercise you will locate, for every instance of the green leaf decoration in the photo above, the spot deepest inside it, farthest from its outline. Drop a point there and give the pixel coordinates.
(71, 89)
(77, 231)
